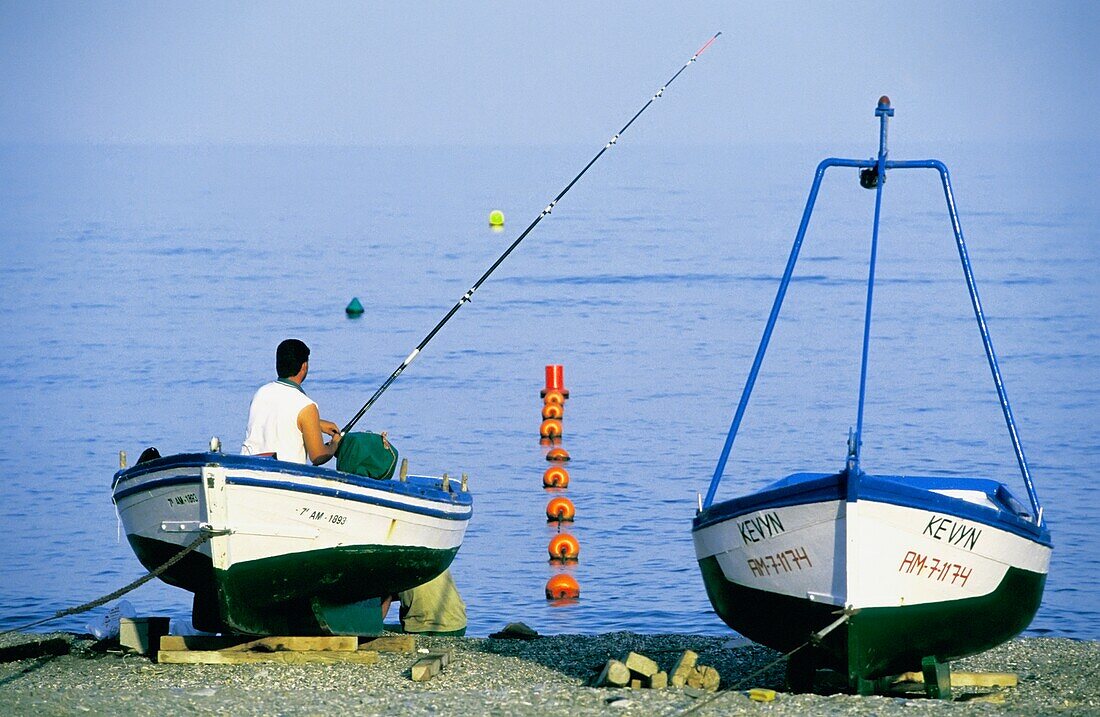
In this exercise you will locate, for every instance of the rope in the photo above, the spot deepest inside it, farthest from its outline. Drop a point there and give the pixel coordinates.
(814, 639)
(206, 535)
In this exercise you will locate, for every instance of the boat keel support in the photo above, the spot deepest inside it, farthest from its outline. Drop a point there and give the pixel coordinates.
(937, 678)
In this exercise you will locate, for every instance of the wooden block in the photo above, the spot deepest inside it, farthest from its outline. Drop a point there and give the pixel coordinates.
(711, 679)
(389, 643)
(695, 677)
(142, 634)
(226, 657)
(640, 664)
(683, 667)
(761, 694)
(659, 681)
(614, 674)
(35, 647)
(430, 665)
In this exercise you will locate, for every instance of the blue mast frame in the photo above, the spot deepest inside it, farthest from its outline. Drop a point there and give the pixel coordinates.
(873, 175)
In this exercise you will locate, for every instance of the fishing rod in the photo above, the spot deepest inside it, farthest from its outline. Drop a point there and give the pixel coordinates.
(549, 208)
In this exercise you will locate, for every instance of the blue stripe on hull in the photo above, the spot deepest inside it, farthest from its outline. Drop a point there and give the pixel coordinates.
(414, 487)
(385, 493)
(905, 491)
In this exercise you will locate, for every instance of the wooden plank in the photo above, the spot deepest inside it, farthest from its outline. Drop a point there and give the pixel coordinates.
(389, 643)
(200, 642)
(330, 643)
(968, 679)
(224, 657)
(430, 665)
(237, 643)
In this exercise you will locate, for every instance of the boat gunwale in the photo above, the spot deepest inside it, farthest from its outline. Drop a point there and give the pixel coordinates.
(810, 488)
(414, 487)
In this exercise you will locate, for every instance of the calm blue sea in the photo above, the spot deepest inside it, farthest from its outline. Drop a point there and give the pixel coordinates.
(144, 290)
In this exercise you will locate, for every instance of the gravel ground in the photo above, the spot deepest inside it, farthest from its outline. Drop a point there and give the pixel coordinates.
(544, 677)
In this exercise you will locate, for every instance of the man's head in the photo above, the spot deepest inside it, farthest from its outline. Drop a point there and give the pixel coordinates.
(289, 357)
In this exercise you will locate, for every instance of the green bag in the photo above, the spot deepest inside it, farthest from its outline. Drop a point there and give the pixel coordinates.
(366, 454)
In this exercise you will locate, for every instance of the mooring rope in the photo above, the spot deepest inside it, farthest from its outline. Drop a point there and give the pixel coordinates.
(205, 536)
(813, 639)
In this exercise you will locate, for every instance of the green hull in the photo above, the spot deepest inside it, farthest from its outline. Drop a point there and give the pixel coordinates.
(321, 592)
(300, 594)
(878, 642)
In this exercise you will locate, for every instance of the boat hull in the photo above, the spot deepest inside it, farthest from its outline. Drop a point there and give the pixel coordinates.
(297, 549)
(923, 567)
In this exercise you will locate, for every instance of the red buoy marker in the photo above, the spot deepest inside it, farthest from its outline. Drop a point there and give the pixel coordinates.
(555, 380)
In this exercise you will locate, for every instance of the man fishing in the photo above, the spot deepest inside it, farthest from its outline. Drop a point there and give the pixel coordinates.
(283, 421)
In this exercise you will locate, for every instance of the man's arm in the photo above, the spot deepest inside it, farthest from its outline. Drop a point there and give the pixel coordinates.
(309, 422)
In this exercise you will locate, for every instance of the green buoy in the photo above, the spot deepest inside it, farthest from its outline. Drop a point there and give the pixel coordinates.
(354, 308)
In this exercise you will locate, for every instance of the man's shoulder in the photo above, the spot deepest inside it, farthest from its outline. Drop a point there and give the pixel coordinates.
(283, 392)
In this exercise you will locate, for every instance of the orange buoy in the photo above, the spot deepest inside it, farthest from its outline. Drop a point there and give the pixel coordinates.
(550, 428)
(555, 477)
(557, 454)
(560, 509)
(564, 546)
(555, 380)
(553, 410)
(555, 441)
(562, 586)
(554, 397)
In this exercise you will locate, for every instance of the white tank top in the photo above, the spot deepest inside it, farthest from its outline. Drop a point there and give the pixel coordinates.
(273, 422)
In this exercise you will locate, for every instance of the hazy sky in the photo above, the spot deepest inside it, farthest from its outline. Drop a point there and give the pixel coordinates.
(541, 73)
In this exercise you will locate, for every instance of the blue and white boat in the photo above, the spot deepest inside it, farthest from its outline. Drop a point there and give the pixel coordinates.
(874, 575)
(292, 549)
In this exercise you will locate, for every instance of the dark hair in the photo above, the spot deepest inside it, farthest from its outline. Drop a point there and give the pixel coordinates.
(289, 357)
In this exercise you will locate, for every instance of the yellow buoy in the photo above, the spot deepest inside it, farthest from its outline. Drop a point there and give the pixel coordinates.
(496, 218)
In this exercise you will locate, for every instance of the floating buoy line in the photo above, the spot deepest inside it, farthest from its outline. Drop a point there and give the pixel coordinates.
(564, 548)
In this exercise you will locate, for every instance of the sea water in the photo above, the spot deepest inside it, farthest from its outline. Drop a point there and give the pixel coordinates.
(145, 288)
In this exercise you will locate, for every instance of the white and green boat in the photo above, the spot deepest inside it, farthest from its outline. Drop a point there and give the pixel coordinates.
(874, 575)
(293, 549)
